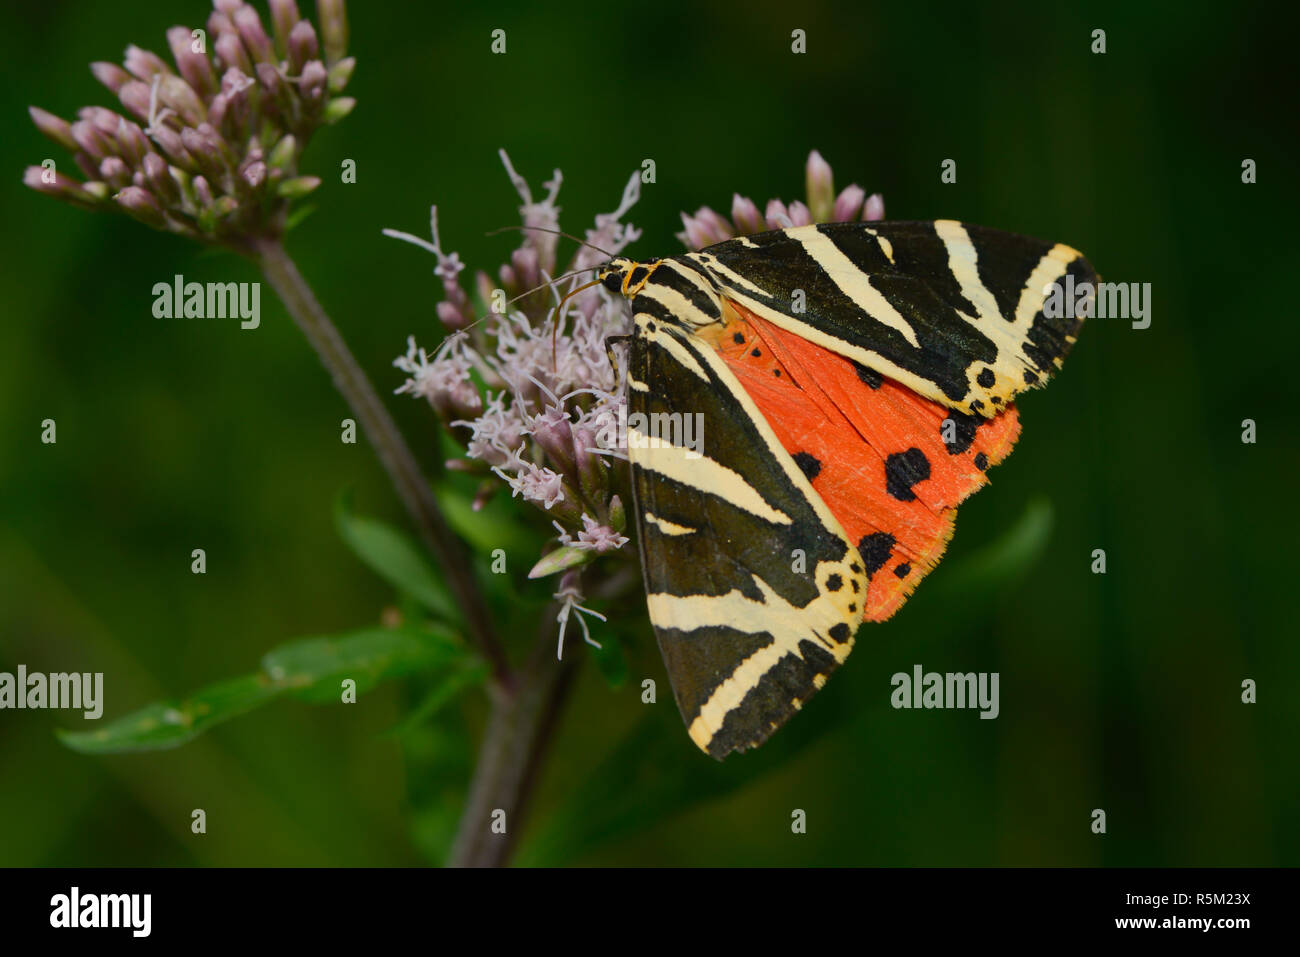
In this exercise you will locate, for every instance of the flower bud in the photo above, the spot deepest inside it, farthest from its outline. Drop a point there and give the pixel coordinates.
(777, 216)
(54, 127)
(302, 46)
(800, 214)
(746, 216)
(141, 204)
(142, 64)
(848, 204)
(192, 65)
(820, 188)
(111, 75)
(284, 17)
(256, 42)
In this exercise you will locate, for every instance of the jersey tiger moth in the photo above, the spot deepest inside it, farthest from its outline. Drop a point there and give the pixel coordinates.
(855, 381)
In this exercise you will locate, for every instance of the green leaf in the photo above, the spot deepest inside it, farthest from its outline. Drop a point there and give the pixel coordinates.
(168, 724)
(297, 215)
(394, 557)
(311, 669)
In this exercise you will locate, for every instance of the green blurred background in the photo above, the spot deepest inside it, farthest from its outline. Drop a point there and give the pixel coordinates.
(1119, 692)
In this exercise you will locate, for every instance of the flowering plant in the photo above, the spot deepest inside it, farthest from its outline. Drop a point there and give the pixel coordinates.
(543, 423)
(210, 147)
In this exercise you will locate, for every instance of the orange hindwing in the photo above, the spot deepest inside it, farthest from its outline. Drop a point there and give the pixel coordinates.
(890, 465)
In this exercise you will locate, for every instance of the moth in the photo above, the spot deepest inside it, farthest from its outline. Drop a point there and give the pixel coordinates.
(854, 382)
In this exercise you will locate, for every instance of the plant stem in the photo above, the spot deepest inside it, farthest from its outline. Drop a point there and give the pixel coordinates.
(379, 427)
(510, 755)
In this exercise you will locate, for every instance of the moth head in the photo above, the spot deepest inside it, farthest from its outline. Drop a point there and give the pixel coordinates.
(613, 273)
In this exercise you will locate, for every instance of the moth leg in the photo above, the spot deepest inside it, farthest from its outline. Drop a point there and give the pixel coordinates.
(609, 353)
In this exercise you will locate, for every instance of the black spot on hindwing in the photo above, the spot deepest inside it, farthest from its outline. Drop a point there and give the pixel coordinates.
(962, 430)
(808, 464)
(869, 376)
(903, 470)
(875, 549)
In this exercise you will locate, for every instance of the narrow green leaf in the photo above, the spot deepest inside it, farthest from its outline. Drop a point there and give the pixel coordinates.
(297, 215)
(314, 668)
(311, 669)
(168, 724)
(394, 557)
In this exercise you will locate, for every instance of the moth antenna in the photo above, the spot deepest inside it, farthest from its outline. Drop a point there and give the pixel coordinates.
(557, 232)
(559, 313)
(549, 282)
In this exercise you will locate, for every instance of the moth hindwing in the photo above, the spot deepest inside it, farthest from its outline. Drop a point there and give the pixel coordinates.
(822, 363)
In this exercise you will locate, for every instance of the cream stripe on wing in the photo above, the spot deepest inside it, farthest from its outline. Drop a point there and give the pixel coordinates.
(669, 343)
(885, 245)
(691, 275)
(787, 624)
(700, 472)
(732, 277)
(963, 263)
(852, 281)
(682, 309)
(1049, 270)
(666, 527)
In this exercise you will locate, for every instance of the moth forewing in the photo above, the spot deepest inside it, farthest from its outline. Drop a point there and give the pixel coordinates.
(954, 312)
(753, 588)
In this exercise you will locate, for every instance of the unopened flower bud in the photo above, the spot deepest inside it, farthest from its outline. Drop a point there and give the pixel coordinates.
(340, 73)
(249, 25)
(54, 127)
(142, 64)
(193, 66)
(848, 204)
(302, 46)
(776, 215)
(284, 16)
(333, 29)
(111, 75)
(115, 172)
(746, 216)
(141, 205)
(135, 96)
(298, 187)
(820, 188)
(337, 109)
